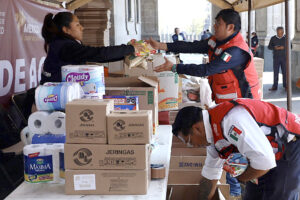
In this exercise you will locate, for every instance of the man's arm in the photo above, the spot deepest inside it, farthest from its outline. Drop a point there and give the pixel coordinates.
(236, 57)
(188, 47)
(207, 189)
(218, 65)
(250, 174)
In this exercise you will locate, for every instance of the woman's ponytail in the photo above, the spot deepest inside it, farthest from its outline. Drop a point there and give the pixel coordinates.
(49, 30)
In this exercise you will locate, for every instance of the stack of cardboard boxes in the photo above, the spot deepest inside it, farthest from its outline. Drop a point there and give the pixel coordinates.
(106, 152)
(185, 172)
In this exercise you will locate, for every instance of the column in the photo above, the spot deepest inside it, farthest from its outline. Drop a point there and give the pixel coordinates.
(149, 13)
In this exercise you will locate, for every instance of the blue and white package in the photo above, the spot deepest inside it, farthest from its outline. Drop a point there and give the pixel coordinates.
(90, 78)
(48, 138)
(124, 102)
(55, 96)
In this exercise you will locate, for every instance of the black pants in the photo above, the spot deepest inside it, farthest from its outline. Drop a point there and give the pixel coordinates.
(281, 182)
(279, 62)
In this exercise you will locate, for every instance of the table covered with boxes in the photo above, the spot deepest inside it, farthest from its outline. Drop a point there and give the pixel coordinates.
(98, 138)
(131, 177)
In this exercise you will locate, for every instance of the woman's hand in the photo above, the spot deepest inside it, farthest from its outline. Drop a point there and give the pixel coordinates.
(157, 45)
(167, 66)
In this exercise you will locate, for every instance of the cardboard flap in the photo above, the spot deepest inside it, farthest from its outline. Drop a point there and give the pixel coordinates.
(151, 80)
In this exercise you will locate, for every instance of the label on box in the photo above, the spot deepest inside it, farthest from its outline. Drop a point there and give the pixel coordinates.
(124, 102)
(87, 134)
(118, 161)
(85, 182)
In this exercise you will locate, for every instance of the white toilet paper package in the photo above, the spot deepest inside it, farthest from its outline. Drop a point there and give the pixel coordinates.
(41, 163)
(90, 77)
(42, 122)
(55, 96)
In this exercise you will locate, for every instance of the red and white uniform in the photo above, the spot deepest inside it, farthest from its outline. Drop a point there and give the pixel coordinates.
(240, 129)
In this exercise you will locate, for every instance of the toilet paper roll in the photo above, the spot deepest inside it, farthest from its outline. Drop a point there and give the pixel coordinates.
(36, 164)
(25, 135)
(61, 160)
(56, 123)
(37, 122)
(53, 150)
(90, 77)
(42, 163)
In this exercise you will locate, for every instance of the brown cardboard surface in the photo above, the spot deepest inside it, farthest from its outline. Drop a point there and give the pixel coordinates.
(187, 162)
(188, 151)
(146, 88)
(97, 156)
(190, 192)
(104, 182)
(86, 120)
(130, 127)
(168, 91)
(179, 177)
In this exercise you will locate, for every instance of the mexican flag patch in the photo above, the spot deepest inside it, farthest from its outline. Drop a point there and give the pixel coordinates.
(234, 133)
(226, 57)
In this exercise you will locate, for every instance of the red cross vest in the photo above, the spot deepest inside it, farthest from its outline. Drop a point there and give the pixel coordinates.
(265, 114)
(225, 85)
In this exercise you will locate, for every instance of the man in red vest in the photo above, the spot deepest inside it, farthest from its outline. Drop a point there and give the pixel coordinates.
(268, 136)
(230, 69)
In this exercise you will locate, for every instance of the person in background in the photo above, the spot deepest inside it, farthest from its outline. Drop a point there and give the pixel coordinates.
(63, 44)
(277, 45)
(254, 43)
(178, 36)
(267, 135)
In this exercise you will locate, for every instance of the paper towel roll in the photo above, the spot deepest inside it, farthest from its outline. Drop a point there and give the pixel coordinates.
(37, 122)
(56, 123)
(90, 77)
(53, 150)
(54, 96)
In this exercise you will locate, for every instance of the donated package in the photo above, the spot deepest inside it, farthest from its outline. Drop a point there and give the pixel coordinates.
(143, 87)
(86, 120)
(97, 156)
(102, 182)
(130, 127)
(124, 102)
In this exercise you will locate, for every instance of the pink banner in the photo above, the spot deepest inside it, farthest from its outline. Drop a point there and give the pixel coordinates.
(21, 45)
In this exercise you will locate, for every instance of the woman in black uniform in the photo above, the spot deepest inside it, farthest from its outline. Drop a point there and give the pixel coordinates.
(63, 35)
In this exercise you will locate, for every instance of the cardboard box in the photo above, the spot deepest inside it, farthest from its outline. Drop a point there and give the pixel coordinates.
(188, 151)
(259, 66)
(96, 156)
(130, 127)
(124, 102)
(86, 120)
(187, 162)
(168, 90)
(143, 87)
(102, 182)
(190, 192)
(184, 177)
(139, 71)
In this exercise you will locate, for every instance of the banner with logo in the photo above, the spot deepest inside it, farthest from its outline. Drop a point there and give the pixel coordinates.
(21, 45)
